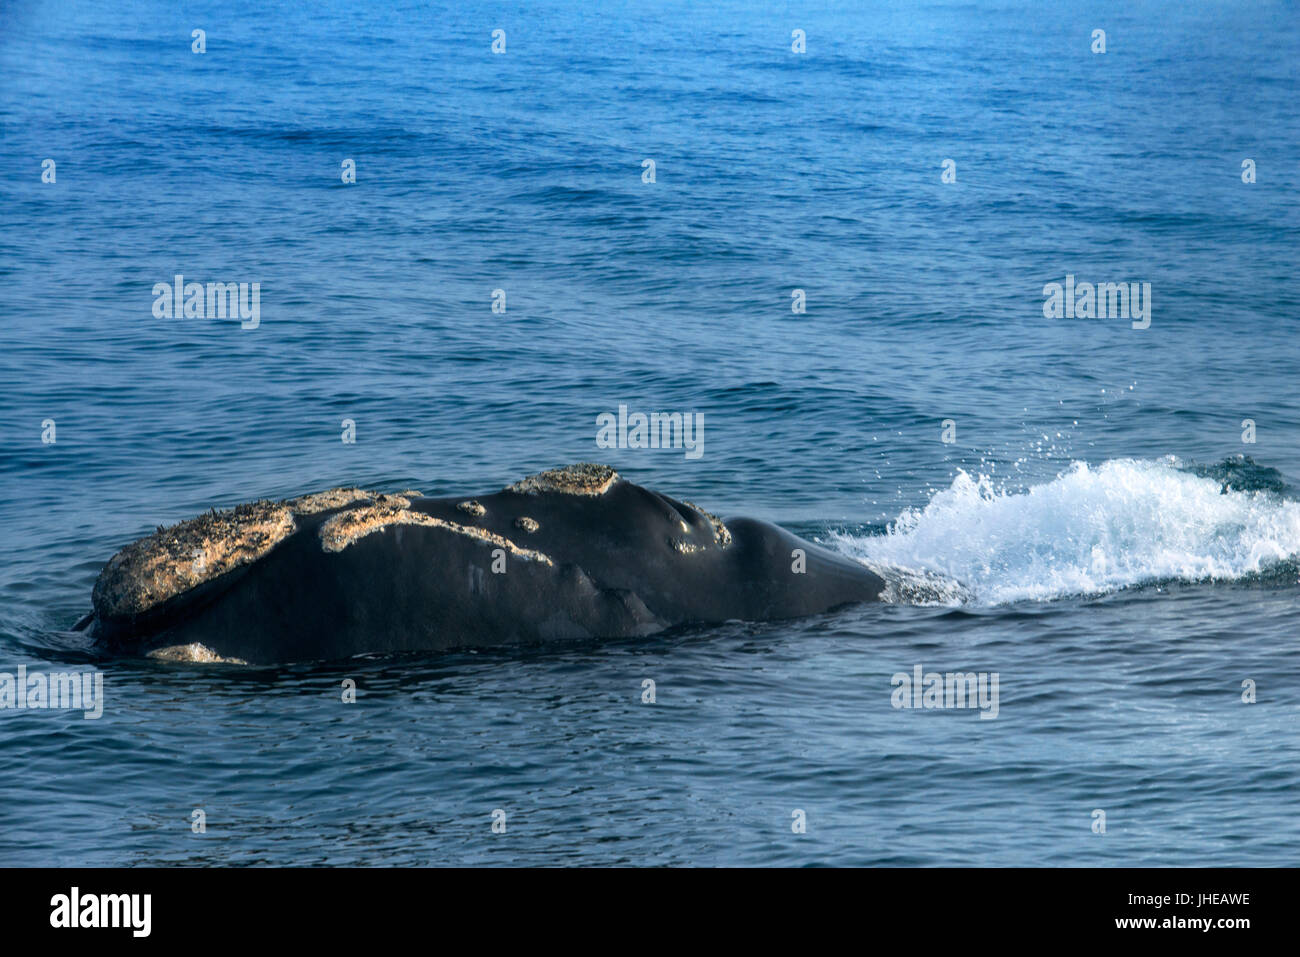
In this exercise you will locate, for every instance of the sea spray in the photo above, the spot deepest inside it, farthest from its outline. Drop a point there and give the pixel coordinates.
(1088, 531)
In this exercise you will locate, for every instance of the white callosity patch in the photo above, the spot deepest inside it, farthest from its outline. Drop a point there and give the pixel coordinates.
(721, 533)
(346, 528)
(585, 478)
(193, 653)
(329, 499)
(1088, 531)
(177, 559)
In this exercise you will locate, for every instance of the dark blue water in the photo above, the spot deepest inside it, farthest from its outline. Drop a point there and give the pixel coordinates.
(1090, 534)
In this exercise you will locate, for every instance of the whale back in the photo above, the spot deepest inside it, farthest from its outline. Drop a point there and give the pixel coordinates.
(571, 553)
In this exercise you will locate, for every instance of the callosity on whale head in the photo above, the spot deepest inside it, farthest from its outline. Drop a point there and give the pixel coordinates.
(575, 552)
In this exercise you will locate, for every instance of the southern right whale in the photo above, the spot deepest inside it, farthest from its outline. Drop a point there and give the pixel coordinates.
(575, 552)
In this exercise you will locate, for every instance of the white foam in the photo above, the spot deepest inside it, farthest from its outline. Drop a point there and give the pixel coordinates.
(1088, 531)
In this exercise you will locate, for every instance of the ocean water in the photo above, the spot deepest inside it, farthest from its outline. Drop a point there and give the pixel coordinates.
(1097, 532)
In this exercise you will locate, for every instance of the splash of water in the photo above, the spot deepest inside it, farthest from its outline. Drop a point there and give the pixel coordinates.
(1088, 531)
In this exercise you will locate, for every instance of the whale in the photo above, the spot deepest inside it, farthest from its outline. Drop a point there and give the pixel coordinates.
(572, 553)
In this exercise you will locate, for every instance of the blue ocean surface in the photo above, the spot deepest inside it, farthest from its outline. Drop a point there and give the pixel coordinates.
(1106, 517)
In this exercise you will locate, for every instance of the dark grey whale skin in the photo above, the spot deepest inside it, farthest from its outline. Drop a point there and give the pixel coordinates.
(628, 562)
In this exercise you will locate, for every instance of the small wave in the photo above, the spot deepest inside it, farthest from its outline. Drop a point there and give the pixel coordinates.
(1090, 530)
